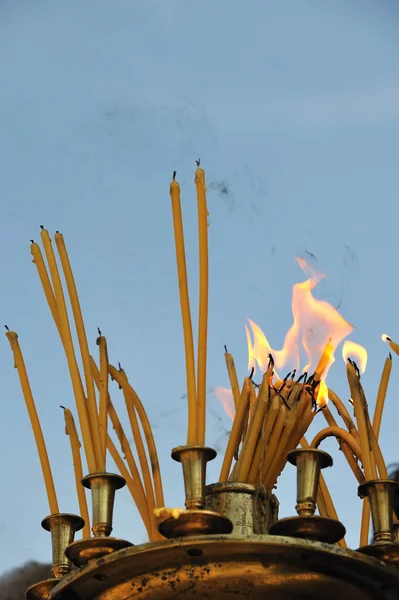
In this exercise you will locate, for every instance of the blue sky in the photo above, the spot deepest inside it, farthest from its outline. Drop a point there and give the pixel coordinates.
(293, 108)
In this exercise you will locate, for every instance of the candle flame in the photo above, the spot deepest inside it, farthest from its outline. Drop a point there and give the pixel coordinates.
(385, 338)
(356, 352)
(225, 397)
(315, 323)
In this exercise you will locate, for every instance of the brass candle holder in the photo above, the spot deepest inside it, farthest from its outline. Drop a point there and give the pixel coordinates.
(307, 525)
(251, 510)
(380, 493)
(103, 487)
(63, 527)
(195, 520)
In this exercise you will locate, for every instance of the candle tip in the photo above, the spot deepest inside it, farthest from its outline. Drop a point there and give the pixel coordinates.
(119, 366)
(390, 355)
(174, 175)
(42, 227)
(225, 349)
(6, 326)
(198, 162)
(63, 407)
(99, 331)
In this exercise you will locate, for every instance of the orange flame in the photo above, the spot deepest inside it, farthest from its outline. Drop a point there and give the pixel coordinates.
(315, 323)
(356, 352)
(225, 396)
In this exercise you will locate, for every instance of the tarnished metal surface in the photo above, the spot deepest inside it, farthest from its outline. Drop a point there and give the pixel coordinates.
(250, 509)
(207, 567)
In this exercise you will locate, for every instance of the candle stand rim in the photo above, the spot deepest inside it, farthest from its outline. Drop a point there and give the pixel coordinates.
(76, 521)
(118, 481)
(325, 458)
(363, 487)
(41, 589)
(233, 486)
(209, 453)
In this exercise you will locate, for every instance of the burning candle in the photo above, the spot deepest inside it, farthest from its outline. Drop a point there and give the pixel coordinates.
(185, 310)
(203, 302)
(71, 432)
(327, 355)
(34, 419)
(84, 347)
(391, 343)
(103, 416)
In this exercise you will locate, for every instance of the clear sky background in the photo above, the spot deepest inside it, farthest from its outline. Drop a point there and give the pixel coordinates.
(293, 108)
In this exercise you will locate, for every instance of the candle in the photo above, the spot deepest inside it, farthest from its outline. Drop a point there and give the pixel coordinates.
(185, 310)
(327, 355)
(139, 495)
(46, 284)
(363, 422)
(66, 338)
(34, 419)
(340, 433)
(382, 392)
(235, 388)
(84, 350)
(352, 461)
(145, 424)
(70, 430)
(344, 414)
(263, 440)
(103, 416)
(235, 434)
(203, 303)
(391, 343)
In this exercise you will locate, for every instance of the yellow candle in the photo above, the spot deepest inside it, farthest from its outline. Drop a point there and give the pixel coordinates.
(382, 392)
(84, 350)
(203, 304)
(122, 381)
(46, 284)
(185, 310)
(103, 417)
(70, 354)
(340, 433)
(231, 369)
(327, 355)
(19, 364)
(363, 424)
(235, 434)
(70, 430)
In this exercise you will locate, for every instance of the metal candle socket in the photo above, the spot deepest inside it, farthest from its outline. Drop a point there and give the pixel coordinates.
(103, 487)
(194, 460)
(63, 527)
(380, 493)
(309, 462)
(195, 520)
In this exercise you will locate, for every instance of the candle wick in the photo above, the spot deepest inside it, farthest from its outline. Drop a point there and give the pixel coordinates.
(198, 162)
(225, 349)
(63, 407)
(32, 241)
(390, 355)
(6, 326)
(99, 331)
(252, 372)
(41, 226)
(174, 175)
(119, 366)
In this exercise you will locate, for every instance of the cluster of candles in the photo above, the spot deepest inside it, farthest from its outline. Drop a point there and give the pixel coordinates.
(270, 419)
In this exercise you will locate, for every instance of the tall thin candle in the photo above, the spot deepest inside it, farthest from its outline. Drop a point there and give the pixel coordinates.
(203, 303)
(34, 419)
(185, 310)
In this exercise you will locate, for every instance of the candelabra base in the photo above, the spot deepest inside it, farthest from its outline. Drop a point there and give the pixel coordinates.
(83, 551)
(387, 552)
(226, 567)
(195, 522)
(315, 528)
(41, 590)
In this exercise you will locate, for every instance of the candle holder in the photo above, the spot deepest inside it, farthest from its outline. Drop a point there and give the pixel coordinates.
(195, 520)
(250, 509)
(103, 487)
(63, 527)
(307, 525)
(380, 493)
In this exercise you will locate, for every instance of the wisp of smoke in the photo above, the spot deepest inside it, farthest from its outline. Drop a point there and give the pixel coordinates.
(14, 583)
